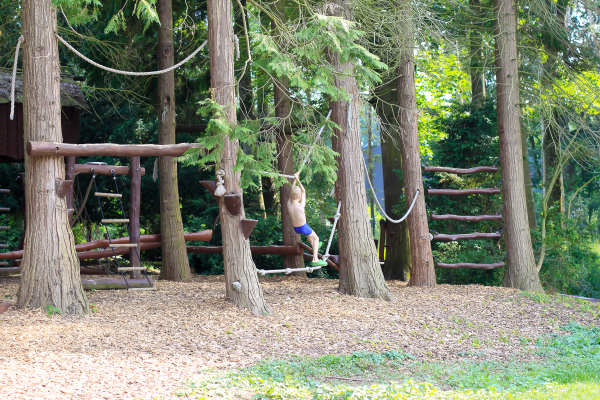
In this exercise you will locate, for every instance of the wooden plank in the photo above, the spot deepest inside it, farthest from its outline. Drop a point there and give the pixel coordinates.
(100, 194)
(112, 283)
(4, 209)
(4, 264)
(470, 265)
(468, 218)
(107, 149)
(104, 169)
(128, 245)
(460, 171)
(4, 191)
(4, 228)
(142, 288)
(132, 269)
(115, 221)
(468, 236)
(96, 254)
(461, 192)
(3, 246)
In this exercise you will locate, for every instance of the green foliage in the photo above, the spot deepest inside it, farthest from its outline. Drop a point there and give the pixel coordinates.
(52, 310)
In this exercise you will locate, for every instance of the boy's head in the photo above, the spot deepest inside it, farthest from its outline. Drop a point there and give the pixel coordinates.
(295, 193)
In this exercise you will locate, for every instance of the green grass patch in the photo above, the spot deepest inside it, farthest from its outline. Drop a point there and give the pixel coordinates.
(569, 369)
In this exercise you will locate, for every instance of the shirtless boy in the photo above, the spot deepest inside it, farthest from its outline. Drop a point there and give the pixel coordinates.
(296, 204)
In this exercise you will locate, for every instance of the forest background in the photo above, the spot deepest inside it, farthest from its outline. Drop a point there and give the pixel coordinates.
(455, 78)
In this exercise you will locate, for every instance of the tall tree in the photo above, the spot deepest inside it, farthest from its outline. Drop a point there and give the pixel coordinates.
(476, 65)
(285, 155)
(175, 263)
(521, 273)
(50, 267)
(397, 254)
(422, 272)
(360, 273)
(242, 285)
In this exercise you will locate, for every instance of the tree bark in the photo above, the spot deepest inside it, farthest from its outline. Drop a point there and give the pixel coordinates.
(50, 267)
(476, 67)
(521, 272)
(175, 263)
(360, 272)
(239, 267)
(397, 251)
(285, 156)
(422, 272)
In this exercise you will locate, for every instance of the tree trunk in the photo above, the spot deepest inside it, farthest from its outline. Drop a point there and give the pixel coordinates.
(360, 272)
(521, 272)
(50, 267)
(175, 263)
(239, 267)
(371, 166)
(422, 272)
(476, 68)
(397, 251)
(285, 156)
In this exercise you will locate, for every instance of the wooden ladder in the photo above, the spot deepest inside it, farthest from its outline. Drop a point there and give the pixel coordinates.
(124, 220)
(468, 218)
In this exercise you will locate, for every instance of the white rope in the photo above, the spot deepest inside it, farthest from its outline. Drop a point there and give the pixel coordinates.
(14, 78)
(335, 220)
(381, 208)
(116, 71)
(305, 158)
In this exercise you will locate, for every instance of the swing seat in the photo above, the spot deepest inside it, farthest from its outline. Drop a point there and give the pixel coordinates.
(319, 263)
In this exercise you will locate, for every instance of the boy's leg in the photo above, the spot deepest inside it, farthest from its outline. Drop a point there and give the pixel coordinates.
(314, 241)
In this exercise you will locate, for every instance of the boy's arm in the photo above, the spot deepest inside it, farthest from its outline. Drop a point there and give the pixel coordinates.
(303, 202)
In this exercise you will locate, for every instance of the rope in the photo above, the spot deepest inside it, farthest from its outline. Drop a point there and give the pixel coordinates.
(381, 208)
(336, 217)
(14, 78)
(131, 73)
(82, 207)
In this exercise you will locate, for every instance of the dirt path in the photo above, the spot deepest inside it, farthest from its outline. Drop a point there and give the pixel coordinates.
(143, 344)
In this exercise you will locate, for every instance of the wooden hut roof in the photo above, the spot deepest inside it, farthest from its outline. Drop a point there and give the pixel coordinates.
(71, 94)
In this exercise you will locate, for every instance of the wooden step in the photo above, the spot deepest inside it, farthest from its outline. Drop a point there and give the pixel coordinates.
(132, 269)
(115, 221)
(459, 171)
(122, 245)
(461, 192)
(142, 288)
(4, 209)
(4, 228)
(471, 265)
(469, 218)
(467, 236)
(3, 246)
(4, 264)
(98, 194)
(4, 191)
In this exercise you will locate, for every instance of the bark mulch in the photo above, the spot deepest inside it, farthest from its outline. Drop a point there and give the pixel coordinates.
(143, 344)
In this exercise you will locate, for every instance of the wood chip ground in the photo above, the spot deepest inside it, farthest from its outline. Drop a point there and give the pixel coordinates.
(142, 345)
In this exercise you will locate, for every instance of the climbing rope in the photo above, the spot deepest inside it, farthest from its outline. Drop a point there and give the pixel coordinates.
(397, 221)
(131, 73)
(14, 78)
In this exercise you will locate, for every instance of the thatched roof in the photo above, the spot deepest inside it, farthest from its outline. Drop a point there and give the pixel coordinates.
(70, 92)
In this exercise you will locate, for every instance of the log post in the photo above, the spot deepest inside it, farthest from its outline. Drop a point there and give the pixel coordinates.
(70, 175)
(134, 213)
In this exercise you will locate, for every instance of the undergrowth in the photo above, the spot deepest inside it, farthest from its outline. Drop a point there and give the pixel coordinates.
(568, 368)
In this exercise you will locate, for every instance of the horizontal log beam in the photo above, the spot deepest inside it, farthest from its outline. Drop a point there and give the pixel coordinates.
(10, 271)
(256, 250)
(4, 209)
(467, 236)
(94, 255)
(461, 192)
(4, 191)
(112, 283)
(470, 265)
(468, 218)
(104, 169)
(107, 149)
(460, 171)
(82, 271)
(203, 236)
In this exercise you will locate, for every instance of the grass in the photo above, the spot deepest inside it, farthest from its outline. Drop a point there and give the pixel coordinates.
(568, 368)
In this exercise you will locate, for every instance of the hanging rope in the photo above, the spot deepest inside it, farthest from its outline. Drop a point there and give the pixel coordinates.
(131, 73)
(336, 217)
(305, 158)
(393, 221)
(14, 78)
